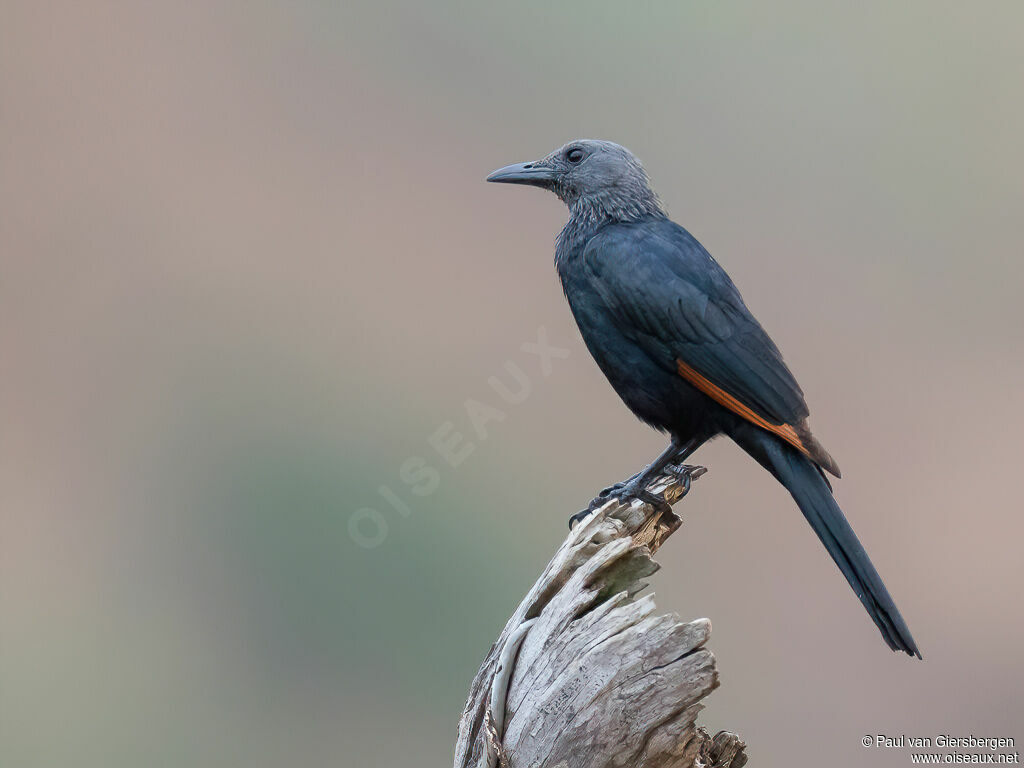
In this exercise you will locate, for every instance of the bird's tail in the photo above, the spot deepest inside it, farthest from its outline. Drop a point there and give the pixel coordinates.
(804, 480)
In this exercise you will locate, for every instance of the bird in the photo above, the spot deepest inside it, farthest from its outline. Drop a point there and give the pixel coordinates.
(672, 334)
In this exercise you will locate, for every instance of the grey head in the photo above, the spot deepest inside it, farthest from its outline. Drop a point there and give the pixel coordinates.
(596, 179)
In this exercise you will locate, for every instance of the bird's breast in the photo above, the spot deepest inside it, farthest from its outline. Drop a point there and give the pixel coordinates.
(649, 387)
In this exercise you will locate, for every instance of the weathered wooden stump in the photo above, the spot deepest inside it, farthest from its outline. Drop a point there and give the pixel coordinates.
(587, 675)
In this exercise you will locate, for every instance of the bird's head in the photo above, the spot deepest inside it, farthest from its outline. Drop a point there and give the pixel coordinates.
(592, 175)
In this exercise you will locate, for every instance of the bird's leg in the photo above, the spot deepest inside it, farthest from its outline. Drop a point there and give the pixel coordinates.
(636, 486)
(684, 473)
(682, 454)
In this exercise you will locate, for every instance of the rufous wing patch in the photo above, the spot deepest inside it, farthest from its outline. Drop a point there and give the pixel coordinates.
(786, 431)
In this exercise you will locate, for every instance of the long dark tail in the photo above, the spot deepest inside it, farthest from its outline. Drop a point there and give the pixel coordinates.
(814, 497)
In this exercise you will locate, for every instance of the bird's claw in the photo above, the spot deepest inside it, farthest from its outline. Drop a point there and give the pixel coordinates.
(685, 474)
(596, 503)
(625, 493)
(628, 490)
(605, 493)
(579, 517)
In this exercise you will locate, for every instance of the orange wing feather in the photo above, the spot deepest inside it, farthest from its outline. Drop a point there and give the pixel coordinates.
(720, 396)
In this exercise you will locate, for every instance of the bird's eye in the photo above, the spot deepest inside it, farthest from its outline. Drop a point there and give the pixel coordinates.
(574, 155)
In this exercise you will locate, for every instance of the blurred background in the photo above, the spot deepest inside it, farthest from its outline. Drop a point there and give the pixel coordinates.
(250, 271)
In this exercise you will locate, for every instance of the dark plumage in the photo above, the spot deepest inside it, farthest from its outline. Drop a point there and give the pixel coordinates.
(671, 332)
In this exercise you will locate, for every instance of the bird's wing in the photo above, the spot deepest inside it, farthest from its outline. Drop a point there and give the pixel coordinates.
(669, 296)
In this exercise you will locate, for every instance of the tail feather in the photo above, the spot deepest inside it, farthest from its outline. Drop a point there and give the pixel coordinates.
(812, 493)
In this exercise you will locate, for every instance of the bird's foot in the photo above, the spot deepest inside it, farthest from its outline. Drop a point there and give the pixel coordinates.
(625, 492)
(635, 489)
(611, 491)
(685, 474)
(596, 503)
(631, 489)
(600, 500)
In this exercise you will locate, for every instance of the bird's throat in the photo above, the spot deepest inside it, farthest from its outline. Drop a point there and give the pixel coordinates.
(588, 214)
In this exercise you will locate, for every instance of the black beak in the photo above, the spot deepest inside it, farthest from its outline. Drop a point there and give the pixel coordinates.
(524, 173)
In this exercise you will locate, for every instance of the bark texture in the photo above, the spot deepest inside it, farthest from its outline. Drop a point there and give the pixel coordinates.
(586, 674)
